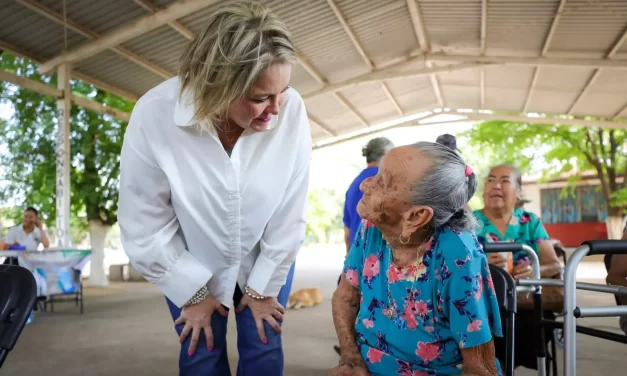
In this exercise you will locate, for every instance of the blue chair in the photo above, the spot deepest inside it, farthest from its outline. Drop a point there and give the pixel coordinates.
(18, 295)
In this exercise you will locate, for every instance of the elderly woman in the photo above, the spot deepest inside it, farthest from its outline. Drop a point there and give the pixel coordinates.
(417, 295)
(501, 221)
(214, 175)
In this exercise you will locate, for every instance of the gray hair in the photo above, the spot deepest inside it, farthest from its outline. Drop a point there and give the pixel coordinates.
(376, 149)
(516, 172)
(445, 187)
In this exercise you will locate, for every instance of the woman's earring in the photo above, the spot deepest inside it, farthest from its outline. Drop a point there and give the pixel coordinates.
(400, 239)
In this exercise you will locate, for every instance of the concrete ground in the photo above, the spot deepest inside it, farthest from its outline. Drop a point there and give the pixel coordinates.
(126, 330)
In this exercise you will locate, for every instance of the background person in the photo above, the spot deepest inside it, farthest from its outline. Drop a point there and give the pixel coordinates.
(214, 178)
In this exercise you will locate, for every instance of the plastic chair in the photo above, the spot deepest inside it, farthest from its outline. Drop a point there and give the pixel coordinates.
(505, 289)
(18, 294)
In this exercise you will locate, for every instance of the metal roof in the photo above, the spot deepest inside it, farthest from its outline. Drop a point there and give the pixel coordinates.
(364, 62)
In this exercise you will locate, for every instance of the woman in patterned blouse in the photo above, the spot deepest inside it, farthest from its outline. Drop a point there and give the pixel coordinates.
(501, 221)
(416, 297)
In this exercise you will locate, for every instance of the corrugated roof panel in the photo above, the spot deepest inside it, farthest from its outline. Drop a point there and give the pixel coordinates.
(32, 32)
(418, 99)
(590, 25)
(303, 81)
(551, 101)
(509, 77)
(452, 24)
(460, 77)
(197, 21)
(461, 97)
(325, 107)
(377, 33)
(162, 46)
(519, 25)
(563, 78)
(408, 85)
(600, 104)
(117, 71)
(371, 101)
(98, 16)
(505, 99)
(334, 56)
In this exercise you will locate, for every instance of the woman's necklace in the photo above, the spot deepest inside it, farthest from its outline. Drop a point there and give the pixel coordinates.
(391, 311)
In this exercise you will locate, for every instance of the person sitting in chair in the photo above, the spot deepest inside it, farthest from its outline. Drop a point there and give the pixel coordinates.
(416, 297)
(501, 221)
(617, 275)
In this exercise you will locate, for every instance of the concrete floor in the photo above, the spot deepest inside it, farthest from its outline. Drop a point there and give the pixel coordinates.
(126, 330)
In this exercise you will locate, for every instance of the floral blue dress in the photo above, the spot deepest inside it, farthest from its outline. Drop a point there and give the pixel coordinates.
(414, 321)
(524, 228)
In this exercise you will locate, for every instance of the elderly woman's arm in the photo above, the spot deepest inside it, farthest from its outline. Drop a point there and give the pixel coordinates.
(345, 305)
(479, 360)
(550, 265)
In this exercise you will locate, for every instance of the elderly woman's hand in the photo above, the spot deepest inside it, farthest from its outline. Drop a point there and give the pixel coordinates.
(522, 271)
(349, 369)
(269, 310)
(497, 259)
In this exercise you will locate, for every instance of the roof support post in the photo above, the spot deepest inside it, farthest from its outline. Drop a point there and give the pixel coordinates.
(64, 105)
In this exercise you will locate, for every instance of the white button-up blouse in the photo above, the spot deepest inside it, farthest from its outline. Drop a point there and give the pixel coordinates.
(189, 215)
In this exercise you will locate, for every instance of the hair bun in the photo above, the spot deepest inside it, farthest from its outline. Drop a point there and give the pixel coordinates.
(365, 151)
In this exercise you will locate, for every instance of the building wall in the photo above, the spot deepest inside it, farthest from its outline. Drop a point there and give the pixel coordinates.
(570, 234)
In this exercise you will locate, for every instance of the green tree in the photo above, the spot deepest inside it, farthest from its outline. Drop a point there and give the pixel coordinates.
(324, 215)
(29, 160)
(558, 149)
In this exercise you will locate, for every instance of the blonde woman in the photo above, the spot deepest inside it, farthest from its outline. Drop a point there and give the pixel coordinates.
(214, 176)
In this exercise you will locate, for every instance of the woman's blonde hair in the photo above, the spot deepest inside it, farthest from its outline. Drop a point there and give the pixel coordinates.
(223, 62)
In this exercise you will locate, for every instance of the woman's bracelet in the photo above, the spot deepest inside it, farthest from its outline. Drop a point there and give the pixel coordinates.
(198, 297)
(253, 296)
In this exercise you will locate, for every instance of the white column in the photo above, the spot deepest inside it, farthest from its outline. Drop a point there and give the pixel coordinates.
(64, 104)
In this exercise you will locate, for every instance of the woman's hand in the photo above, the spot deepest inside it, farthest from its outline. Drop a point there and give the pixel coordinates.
(349, 369)
(197, 317)
(522, 271)
(497, 259)
(268, 310)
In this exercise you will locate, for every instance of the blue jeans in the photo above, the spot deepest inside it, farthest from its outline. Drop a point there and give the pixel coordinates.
(255, 357)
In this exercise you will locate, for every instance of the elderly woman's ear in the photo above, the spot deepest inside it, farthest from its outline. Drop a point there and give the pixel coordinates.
(415, 219)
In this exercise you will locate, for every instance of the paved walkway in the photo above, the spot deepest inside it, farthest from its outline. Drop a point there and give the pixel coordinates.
(126, 330)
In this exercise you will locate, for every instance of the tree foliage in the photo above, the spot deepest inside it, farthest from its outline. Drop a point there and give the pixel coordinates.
(28, 161)
(324, 215)
(556, 150)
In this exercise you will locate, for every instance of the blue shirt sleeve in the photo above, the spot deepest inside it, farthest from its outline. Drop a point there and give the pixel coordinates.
(472, 307)
(347, 214)
(354, 263)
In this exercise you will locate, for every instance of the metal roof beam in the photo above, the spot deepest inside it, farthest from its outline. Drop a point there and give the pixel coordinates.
(177, 26)
(392, 72)
(545, 49)
(425, 44)
(91, 35)
(483, 46)
(127, 32)
(321, 125)
(532, 61)
(615, 48)
(79, 76)
(44, 89)
(362, 52)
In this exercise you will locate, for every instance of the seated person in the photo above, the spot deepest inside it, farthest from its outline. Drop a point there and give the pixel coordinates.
(617, 275)
(28, 234)
(501, 221)
(416, 297)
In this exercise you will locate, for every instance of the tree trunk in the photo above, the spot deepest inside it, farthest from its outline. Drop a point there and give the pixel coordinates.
(614, 224)
(97, 236)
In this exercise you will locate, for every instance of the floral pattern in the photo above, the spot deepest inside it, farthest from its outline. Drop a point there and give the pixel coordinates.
(421, 331)
(524, 227)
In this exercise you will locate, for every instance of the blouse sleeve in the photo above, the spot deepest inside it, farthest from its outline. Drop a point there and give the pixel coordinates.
(539, 233)
(354, 262)
(471, 304)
